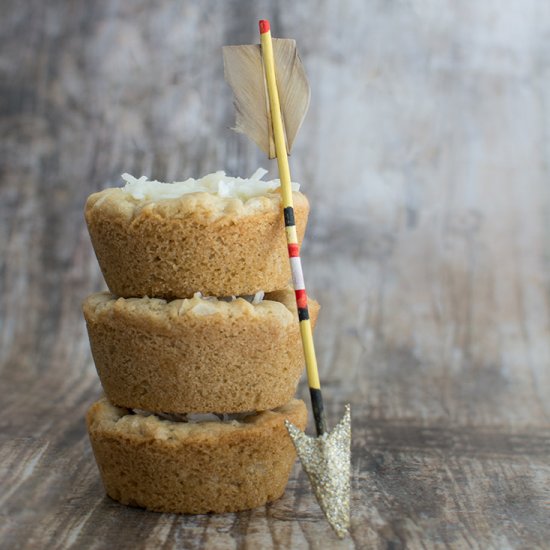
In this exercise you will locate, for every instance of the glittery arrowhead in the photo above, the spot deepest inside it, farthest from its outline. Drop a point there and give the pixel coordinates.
(327, 462)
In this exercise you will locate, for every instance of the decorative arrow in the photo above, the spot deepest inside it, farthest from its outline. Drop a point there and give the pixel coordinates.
(271, 99)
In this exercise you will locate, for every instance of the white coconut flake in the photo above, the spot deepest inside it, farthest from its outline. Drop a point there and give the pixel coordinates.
(258, 297)
(217, 183)
(196, 418)
(254, 299)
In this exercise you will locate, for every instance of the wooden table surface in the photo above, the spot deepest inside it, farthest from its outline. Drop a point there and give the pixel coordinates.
(426, 159)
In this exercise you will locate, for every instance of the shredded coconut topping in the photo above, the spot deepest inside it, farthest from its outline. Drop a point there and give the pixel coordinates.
(217, 183)
(253, 299)
(196, 418)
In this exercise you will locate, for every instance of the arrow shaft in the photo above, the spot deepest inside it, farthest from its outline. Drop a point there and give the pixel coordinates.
(291, 234)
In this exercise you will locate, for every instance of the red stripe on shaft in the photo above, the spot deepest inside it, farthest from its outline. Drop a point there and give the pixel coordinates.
(264, 26)
(293, 250)
(301, 298)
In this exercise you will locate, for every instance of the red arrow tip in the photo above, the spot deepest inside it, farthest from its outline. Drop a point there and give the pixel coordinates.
(264, 26)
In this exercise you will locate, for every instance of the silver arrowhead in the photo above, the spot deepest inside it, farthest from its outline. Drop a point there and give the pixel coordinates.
(327, 462)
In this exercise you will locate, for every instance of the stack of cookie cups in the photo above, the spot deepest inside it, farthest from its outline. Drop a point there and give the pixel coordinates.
(198, 365)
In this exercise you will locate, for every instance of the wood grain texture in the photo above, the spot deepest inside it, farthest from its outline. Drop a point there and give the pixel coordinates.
(426, 158)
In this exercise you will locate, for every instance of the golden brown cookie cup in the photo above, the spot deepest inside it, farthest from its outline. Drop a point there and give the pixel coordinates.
(173, 248)
(196, 355)
(193, 468)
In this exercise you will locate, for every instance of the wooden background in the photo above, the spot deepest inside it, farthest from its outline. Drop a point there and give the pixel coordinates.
(426, 156)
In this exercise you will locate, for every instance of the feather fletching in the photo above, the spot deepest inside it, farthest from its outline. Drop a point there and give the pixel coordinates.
(243, 68)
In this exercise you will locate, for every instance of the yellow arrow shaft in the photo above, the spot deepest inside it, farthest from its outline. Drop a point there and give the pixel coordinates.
(286, 191)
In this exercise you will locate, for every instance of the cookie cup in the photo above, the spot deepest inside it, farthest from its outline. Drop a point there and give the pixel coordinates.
(173, 248)
(193, 468)
(196, 355)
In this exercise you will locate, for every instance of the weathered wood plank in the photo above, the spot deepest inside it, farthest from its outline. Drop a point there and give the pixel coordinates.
(414, 485)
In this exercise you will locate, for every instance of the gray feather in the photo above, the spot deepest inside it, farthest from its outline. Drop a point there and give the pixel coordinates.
(244, 72)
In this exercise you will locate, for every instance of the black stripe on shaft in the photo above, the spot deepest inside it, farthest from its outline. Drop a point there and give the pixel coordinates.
(303, 313)
(318, 411)
(289, 216)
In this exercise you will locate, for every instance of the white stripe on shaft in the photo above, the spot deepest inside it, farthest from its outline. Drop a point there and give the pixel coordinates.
(297, 274)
